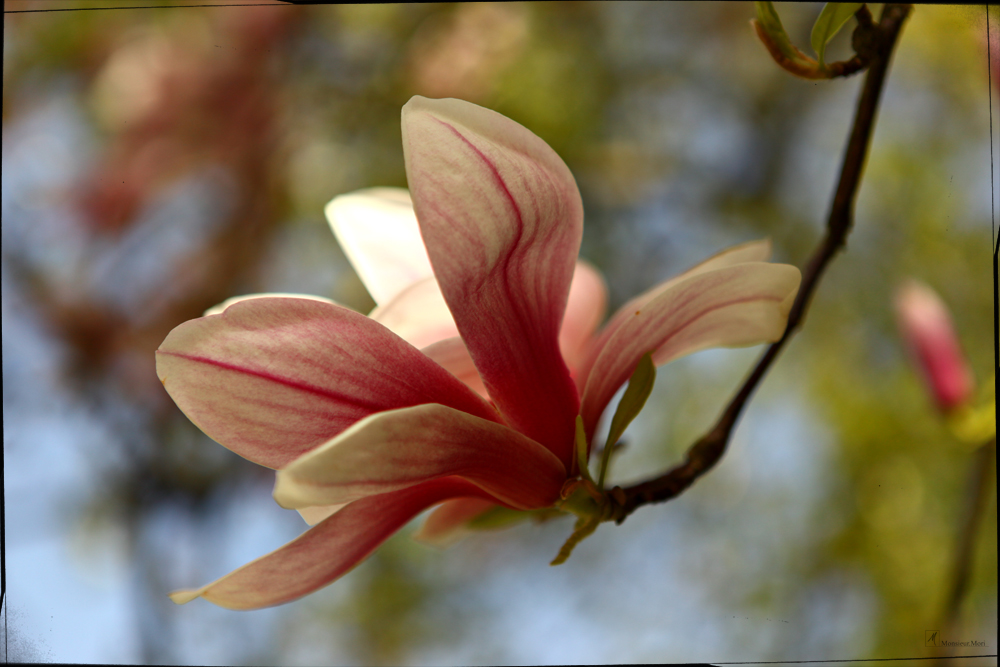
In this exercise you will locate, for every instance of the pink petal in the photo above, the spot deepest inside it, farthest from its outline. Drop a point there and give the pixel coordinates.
(588, 300)
(272, 378)
(215, 310)
(452, 355)
(752, 251)
(502, 219)
(326, 551)
(447, 524)
(402, 448)
(418, 314)
(930, 335)
(379, 234)
(734, 306)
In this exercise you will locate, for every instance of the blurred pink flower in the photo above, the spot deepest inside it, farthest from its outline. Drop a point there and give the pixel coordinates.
(926, 325)
(464, 384)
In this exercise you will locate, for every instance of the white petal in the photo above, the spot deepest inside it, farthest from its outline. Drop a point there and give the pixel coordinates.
(379, 234)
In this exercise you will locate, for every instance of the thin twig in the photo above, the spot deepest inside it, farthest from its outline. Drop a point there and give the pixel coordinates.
(705, 453)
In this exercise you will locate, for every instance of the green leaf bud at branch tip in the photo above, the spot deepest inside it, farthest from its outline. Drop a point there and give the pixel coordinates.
(830, 21)
(833, 17)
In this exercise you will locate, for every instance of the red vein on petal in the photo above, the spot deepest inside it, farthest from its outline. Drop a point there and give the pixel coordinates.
(518, 215)
(496, 177)
(277, 379)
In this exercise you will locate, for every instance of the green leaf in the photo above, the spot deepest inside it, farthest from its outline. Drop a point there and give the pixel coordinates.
(639, 387)
(830, 21)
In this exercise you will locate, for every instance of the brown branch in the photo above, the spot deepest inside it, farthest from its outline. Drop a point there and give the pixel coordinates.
(705, 453)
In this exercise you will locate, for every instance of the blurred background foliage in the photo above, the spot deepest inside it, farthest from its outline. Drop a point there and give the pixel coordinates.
(157, 161)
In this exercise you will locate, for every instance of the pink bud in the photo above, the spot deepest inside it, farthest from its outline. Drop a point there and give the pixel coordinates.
(926, 324)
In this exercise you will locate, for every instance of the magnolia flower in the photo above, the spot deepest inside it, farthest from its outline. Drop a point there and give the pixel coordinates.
(926, 325)
(464, 385)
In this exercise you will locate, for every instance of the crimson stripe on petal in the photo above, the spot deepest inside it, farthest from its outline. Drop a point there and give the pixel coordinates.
(271, 378)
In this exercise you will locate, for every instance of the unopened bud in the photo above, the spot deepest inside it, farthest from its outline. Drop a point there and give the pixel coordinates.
(927, 327)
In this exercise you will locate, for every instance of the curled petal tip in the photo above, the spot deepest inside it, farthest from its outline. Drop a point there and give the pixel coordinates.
(185, 596)
(284, 492)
